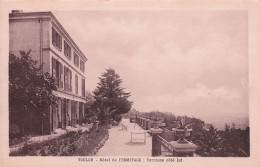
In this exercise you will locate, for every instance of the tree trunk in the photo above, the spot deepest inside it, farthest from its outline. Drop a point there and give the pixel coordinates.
(42, 126)
(24, 121)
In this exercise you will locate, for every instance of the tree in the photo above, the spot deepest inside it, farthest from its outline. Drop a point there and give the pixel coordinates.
(110, 98)
(235, 141)
(209, 142)
(90, 114)
(30, 91)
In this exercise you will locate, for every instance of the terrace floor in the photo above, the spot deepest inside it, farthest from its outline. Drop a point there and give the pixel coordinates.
(118, 143)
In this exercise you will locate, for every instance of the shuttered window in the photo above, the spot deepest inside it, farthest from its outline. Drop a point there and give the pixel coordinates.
(67, 79)
(67, 50)
(82, 66)
(56, 39)
(57, 74)
(70, 82)
(61, 75)
(76, 59)
(54, 73)
(83, 87)
(76, 84)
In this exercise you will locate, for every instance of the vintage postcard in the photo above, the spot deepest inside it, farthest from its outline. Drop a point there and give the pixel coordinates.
(121, 83)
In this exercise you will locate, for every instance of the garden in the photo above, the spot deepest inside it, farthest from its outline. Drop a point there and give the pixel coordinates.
(69, 144)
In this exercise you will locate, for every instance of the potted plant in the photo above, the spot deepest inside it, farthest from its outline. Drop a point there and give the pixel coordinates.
(182, 130)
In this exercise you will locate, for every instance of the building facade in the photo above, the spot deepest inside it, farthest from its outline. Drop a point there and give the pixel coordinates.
(53, 47)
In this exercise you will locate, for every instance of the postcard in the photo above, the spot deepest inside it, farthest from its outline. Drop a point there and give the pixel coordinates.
(130, 83)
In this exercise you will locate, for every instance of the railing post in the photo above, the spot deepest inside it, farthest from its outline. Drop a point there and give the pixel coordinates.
(148, 124)
(156, 145)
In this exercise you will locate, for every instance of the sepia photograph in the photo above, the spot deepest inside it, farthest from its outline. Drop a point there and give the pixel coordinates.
(128, 86)
(140, 83)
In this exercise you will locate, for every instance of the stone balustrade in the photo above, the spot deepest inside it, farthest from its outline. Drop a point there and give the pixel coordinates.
(156, 129)
(147, 123)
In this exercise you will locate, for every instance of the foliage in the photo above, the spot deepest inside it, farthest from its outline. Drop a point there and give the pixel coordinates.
(30, 90)
(14, 131)
(182, 122)
(90, 114)
(89, 99)
(110, 98)
(58, 146)
(118, 118)
(235, 142)
(229, 143)
(87, 145)
(209, 142)
(69, 144)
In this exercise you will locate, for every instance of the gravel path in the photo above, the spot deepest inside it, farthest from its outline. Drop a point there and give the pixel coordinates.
(119, 143)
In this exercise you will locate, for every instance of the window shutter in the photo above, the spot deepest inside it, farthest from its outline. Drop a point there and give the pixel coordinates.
(65, 48)
(67, 88)
(76, 84)
(53, 67)
(70, 53)
(53, 36)
(61, 76)
(83, 87)
(65, 78)
(60, 44)
(58, 41)
(57, 73)
(70, 81)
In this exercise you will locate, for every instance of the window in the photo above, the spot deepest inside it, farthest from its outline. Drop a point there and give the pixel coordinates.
(67, 50)
(67, 79)
(82, 65)
(61, 75)
(76, 59)
(54, 71)
(83, 87)
(57, 72)
(56, 39)
(76, 84)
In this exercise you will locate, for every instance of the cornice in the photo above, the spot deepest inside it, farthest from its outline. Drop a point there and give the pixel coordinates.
(71, 94)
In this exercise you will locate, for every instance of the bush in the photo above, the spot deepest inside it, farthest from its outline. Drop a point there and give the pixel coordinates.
(14, 131)
(69, 144)
(118, 118)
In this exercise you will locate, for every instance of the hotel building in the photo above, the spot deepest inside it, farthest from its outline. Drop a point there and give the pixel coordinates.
(53, 47)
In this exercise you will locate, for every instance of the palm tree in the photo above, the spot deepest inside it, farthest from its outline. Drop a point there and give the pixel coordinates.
(209, 142)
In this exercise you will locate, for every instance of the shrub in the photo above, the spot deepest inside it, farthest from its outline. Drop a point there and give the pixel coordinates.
(14, 131)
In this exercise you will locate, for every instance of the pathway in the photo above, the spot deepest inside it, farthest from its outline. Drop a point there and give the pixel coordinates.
(118, 143)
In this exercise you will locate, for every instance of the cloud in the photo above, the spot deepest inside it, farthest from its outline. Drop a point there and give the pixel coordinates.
(202, 92)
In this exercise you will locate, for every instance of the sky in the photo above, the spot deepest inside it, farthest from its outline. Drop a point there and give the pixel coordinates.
(191, 63)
